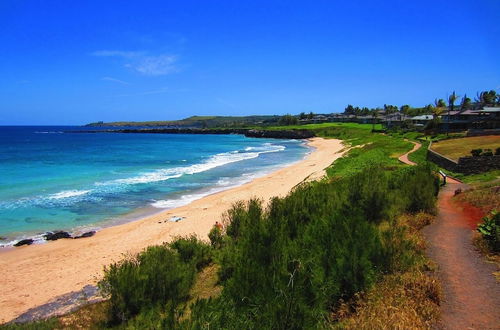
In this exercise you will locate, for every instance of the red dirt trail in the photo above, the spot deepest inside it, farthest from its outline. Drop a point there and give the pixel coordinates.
(471, 294)
(404, 158)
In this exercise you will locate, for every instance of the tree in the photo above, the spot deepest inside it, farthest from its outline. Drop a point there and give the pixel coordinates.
(486, 98)
(466, 103)
(310, 115)
(287, 120)
(302, 115)
(390, 108)
(374, 118)
(434, 123)
(405, 109)
(429, 108)
(349, 110)
(440, 103)
(451, 101)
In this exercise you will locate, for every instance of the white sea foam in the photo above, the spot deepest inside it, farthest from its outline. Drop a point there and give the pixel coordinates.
(222, 184)
(49, 132)
(176, 202)
(68, 194)
(69, 197)
(213, 162)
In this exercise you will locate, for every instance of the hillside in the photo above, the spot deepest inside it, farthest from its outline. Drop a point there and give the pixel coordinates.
(195, 121)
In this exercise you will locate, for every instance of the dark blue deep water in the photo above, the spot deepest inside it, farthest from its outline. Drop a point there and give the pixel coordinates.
(54, 180)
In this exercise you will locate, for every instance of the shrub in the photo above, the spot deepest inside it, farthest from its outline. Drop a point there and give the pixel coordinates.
(215, 236)
(288, 265)
(490, 230)
(497, 151)
(476, 152)
(487, 152)
(154, 278)
(192, 250)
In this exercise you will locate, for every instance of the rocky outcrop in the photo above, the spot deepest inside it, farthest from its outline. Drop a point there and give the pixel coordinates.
(54, 236)
(87, 234)
(256, 133)
(22, 242)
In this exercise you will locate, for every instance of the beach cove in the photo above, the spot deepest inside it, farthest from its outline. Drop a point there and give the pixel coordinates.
(35, 275)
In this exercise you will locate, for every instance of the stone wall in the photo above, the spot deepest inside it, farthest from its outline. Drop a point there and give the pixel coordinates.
(465, 165)
(471, 165)
(441, 160)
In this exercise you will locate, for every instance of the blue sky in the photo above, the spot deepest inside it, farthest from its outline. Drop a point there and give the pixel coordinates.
(73, 62)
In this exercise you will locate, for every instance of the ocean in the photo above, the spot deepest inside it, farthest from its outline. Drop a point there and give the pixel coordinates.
(52, 180)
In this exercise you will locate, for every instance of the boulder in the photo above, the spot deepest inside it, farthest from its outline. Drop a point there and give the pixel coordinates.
(53, 236)
(22, 242)
(87, 234)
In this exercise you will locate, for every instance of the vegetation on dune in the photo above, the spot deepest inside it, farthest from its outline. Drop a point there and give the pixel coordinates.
(289, 265)
(403, 300)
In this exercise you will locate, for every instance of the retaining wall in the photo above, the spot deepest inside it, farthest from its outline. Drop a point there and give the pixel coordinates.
(465, 165)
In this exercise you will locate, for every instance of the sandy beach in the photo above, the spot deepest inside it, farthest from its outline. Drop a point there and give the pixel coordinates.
(34, 275)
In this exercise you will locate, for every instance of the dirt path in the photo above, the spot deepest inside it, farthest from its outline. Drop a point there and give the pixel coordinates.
(404, 158)
(471, 294)
(470, 291)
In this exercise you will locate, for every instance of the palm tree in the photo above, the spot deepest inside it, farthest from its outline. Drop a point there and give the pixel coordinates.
(436, 112)
(466, 103)
(451, 101)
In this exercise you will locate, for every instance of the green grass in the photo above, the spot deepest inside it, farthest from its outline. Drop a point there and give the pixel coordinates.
(315, 127)
(420, 156)
(455, 148)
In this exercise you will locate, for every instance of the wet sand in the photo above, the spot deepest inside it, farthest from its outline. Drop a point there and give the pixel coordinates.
(33, 275)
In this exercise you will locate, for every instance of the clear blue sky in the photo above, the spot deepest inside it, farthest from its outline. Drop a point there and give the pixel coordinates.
(73, 62)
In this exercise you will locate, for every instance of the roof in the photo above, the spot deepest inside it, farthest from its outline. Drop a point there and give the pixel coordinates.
(490, 109)
(422, 117)
(460, 113)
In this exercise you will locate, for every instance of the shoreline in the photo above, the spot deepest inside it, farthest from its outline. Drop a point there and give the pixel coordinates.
(144, 211)
(34, 275)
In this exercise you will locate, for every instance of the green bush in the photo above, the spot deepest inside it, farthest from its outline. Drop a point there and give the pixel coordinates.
(192, 250)
(155, 277)
(490, 230)
(487, 152)
(288, 265)
(215, 236)
(476, 152)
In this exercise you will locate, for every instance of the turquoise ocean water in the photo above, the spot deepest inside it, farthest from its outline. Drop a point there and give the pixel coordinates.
(51, 180)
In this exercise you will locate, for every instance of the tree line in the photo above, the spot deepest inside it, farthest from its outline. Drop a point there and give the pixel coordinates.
(482, 99)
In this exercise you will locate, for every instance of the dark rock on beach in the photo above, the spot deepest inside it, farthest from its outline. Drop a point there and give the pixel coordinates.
(22, 242)
(53, 236)
(87, 234)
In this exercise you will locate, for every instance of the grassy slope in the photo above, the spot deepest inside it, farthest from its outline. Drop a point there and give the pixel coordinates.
(197, 121)
(455, 148)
